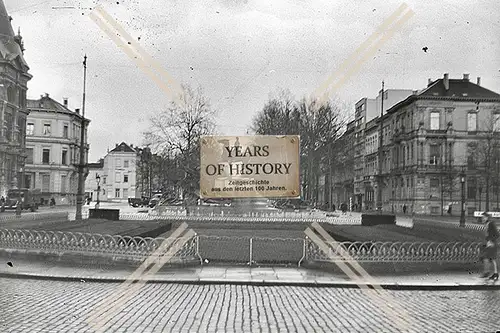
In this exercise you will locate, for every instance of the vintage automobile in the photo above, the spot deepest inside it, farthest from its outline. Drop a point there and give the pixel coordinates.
(26, 197)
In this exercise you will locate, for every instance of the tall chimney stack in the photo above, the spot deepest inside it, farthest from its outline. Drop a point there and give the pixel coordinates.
(429, 82)
(65, 102)
(446, 81)
(466, 77)
(478, 81)
(77, 111)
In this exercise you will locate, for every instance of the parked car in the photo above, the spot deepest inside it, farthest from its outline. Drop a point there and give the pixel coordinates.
(28, 198)
(138, 202)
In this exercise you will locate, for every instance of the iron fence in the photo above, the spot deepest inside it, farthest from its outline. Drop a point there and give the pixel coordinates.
(87, 243)
(394, 252)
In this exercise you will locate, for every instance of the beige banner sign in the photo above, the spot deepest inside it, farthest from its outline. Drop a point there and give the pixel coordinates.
(250, 166)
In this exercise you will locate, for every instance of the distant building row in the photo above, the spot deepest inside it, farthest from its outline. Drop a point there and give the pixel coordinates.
(434, 140)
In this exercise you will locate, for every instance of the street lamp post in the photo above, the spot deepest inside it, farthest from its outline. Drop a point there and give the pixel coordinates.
(98, 179)
(462, 214)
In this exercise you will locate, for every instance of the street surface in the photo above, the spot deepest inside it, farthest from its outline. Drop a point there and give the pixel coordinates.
(48, 306)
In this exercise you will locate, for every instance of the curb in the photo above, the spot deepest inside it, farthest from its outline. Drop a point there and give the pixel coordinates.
(260, 283)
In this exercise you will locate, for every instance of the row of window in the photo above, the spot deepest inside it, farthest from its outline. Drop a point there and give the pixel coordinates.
(472, 121)
(119, 163)
(46, 181)
(16, 96)
(14, 130)
(46, 156)
(47, 129)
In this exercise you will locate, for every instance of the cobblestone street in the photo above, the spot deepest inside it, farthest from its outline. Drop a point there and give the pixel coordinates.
(50, 306)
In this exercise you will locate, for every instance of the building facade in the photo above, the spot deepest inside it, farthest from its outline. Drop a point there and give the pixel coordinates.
(14, 78)
(366, 110)
(439, 145)
(117, 173)
(93, 182)
(53, 149)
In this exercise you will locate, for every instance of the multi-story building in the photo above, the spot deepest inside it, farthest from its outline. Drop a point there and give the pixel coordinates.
(117, 173)
(53, 149)
(14, 77)
(93, 182)
(366, 110)
(437, 142)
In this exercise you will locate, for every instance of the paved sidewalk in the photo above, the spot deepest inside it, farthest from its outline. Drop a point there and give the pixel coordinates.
(248, 275)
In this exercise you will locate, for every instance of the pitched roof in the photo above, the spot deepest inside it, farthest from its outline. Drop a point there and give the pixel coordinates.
(458, 88)
(9, 46)
(47, 104)
(123, 148)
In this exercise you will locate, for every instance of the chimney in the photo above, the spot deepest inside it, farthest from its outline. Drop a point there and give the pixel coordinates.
(446, 81)
(429, 82)
(77, 111)
(116, 145)
(47, 95)
(478, 81)
(65, 102)
(466, 77)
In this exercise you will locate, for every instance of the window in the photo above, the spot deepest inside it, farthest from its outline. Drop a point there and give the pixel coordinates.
(64, 157)
(104, 180)
(470, 161)
(434, 183)
(29, 157)
(63, 184)
(46, 183)
(117, 177)
(434, 156)
(46, 129)
(118, 162)
(65, 131)
(125, 163)
(29, 180)
(496, 122)
(8, 122)
(46, 156)
(471, 188)
(125, 178)
(117, 192)
(11, 94)
(30, 129)
(472, 121)
(435, 120)
(125, 193)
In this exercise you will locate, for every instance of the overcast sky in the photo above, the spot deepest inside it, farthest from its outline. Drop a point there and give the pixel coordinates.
(240, 51)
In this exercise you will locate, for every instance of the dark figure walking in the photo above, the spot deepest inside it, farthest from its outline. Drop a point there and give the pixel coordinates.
(490, 248)
(52, 202)
(449, 209)
(404, 209)
(343, 207)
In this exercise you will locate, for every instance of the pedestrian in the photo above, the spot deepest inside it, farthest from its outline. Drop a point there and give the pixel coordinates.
(449, 209)
(490, 248)
(404, 209)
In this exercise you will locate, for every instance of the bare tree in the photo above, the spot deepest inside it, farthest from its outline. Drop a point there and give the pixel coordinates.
(485, 154)
(319, 124)
(176, 132)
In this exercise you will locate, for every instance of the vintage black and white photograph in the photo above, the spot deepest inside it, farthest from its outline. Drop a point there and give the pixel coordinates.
(249, 166)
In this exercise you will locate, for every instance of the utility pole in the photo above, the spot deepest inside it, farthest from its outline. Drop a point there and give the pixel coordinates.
(81, 165)
(380, 155)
